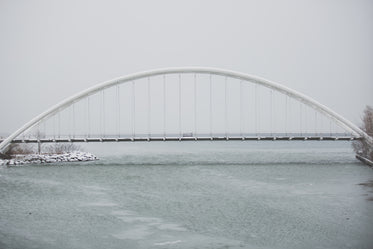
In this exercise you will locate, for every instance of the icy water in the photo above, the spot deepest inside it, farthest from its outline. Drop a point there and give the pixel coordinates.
(192, 195)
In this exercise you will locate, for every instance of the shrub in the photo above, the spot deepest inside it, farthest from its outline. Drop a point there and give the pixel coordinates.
(364, 147)
(17, 149)
(60, 148)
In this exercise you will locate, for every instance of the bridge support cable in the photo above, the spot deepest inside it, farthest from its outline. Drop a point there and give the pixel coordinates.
(23, 136)
(195, 105)
(225, 108)
(70, 121)
(330, 127)
(101, 121)
(133, 110)
(241, 108)
(286, 115)
(38, 132)
(118, 112)
(291, 116)
(149, 108)
(41, 129)
(316, 123)
(180, 106)
(305, 120)
(104, 113)
(210, 107)
(88, 117)
(256, 109)
(300, 118)
(164, 106)
(271, 112)
(73, 108)
(54, 126)
(59, 124)
(45, 128)
(38, 137)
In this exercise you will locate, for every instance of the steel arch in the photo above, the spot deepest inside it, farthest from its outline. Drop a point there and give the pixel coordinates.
(346, 124)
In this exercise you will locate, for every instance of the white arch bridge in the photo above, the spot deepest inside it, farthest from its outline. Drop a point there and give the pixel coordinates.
(182, 104)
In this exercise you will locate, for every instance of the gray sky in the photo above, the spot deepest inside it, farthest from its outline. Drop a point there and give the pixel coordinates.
(53, 49)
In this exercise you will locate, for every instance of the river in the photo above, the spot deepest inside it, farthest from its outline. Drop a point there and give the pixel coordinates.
(192, 195)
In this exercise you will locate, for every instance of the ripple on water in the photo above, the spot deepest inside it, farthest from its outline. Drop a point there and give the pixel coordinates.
(135, 233)
(99, 204)
(166, 243)
(232, 198)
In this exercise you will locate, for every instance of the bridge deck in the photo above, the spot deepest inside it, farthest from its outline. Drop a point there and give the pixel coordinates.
(217, 138)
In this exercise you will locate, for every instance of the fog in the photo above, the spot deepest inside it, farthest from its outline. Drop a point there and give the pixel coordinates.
(53, 49)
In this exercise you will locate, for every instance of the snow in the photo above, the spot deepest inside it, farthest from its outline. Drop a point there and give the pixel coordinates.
(76, 156)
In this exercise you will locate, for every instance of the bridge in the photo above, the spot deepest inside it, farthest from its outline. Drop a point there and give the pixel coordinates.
(186, 104)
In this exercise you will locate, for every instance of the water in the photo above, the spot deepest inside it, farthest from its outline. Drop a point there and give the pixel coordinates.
(192, 195)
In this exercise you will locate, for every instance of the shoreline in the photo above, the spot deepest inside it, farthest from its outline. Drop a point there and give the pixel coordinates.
(364, 160)
(75, 156)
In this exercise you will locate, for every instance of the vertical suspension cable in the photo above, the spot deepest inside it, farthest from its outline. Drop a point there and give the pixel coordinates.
(88, 117)
(210, 105)
(149, 108)
(54, 127)
(118, 110)
(73, 119)
(241, 108)
(38, 136)
(195, 105)
(286, 115)
(290, 113)
(330, 127)
(100, 116)
(316, 123)
(70, 120)
(256, 109)
(59, 124)
(44, 128)
(225, 108)
(164, 106)
(133, 110)
(179, 105)
(38, 130)
(23, 135)
(305, 129)
(271, 112)
(300, 110)
(103, 113)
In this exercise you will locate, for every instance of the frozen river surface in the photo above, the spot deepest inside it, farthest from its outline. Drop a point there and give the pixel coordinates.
(192, 195)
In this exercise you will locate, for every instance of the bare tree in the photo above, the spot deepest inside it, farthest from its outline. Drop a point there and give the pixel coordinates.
(17, 149)
(364, 147)
(60, 148)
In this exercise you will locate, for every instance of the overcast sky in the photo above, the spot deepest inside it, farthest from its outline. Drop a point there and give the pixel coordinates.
(53, 49)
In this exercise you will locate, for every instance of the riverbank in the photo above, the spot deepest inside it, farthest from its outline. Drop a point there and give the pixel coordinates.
(364, 160)
(76, 156)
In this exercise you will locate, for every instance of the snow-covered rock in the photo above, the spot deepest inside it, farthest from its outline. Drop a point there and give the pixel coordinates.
(76, 156)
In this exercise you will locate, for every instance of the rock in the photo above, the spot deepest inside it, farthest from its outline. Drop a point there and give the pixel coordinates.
(53, 158)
